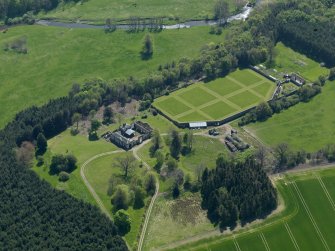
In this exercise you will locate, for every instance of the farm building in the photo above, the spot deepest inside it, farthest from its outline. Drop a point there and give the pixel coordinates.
(297, 80)
(197, 125)
(128, 136)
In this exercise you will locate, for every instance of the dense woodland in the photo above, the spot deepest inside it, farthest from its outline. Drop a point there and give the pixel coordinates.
(237, 191)
(15, 8)
(36, 216)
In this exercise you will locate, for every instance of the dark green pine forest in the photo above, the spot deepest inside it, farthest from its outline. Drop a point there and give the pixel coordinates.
(237, 192)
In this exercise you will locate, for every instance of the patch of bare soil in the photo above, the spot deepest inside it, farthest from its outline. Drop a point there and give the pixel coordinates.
(186, 210)
(129, 110)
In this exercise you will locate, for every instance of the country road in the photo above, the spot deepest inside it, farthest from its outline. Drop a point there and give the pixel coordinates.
(88, 185)
(152, 202)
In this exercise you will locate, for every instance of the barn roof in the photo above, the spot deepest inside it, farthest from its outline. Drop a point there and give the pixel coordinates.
(198, 124)
(129, 132)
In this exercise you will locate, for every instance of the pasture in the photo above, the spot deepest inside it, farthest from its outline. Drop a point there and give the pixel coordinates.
(58, 57)
(98, 10)
(287, 60)
(307, 223)
(217, 99)
(308, 126)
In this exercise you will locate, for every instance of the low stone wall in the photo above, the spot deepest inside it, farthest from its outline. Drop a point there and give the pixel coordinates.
(209, 123)
(263, 74)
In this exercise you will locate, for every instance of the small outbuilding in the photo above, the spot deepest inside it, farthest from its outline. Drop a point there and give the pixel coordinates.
(197, 125)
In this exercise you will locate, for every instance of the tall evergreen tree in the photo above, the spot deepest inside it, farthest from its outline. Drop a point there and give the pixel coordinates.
(41, 143)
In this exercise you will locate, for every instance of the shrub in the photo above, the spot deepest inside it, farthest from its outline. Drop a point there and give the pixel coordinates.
(122, 221)
(121, 198)
(40, 160)
(175, 191)
(331, 76)
(66, 163)
(63, 176)
(154, 112)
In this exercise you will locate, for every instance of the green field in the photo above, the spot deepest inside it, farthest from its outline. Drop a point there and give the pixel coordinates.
(287, 60)
(83, 149)
(98, 173)
(59, 57)
(308, 126)
(217, 99)
(307, 223)
(99, 10)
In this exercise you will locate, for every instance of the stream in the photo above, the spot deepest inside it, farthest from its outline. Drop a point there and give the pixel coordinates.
(245, 12)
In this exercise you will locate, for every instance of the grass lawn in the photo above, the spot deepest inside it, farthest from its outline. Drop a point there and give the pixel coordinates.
(173, 106)
(98, 173)
(308, 126)
(217, 99)
(58, 57)
(223, 86)
(80, 147)
(193, 117)
(247, 78)
(202, 97)
(287, 61)
(306, 223)
(218, 109)
(262, 89)
(245, 99)
(99, 10)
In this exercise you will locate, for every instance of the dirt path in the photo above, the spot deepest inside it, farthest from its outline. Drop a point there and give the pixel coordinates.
(88, 185)
(153, 199)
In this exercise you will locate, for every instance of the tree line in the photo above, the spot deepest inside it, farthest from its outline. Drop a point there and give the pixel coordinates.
(11, 9)
(237, 192)
(265, 110)
(35, 215)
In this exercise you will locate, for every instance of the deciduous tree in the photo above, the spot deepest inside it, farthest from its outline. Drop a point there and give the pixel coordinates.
(148, 48)
(126, 164)
(122, 221)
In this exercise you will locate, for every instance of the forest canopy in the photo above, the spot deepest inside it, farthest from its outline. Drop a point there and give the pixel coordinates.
(237, 191)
